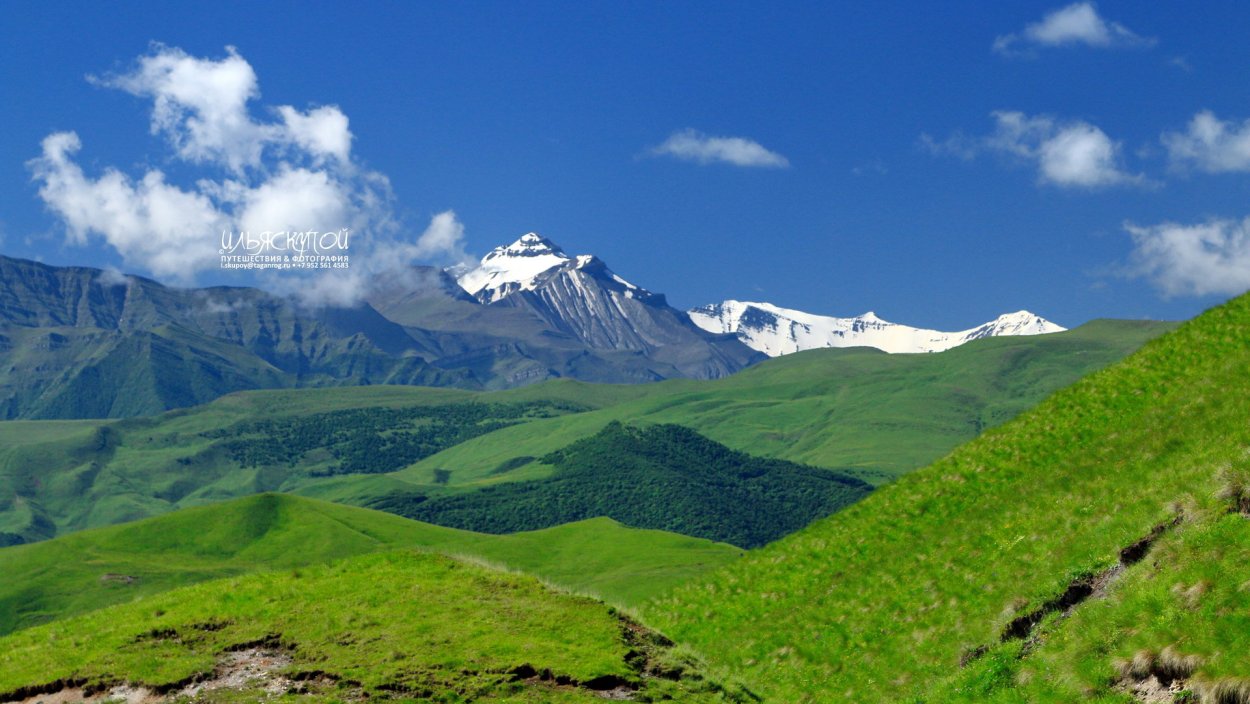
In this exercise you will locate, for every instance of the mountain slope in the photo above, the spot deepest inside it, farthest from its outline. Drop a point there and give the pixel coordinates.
(78, 342)
(579, 296)
(91, 569)
(986, 550)
(777, 331)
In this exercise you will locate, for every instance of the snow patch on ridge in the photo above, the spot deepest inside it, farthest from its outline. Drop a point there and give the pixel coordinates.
(776, 331)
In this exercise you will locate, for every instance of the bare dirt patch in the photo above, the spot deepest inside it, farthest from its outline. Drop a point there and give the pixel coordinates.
(255, 668)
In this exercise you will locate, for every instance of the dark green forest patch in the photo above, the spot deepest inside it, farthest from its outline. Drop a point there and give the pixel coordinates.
(666, 477)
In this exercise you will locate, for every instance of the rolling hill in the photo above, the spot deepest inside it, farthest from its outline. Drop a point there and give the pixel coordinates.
(95, 568)
(860, 410)
(872, 415)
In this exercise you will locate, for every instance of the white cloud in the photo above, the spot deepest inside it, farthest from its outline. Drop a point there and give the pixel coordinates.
(110, 277)
(1181, 63)
(322, 131)
(200, 105)
(1193, 260)
(691, 145)
(1210, 144)
(387, 262)
(1072, 154)
(442, 240)
(1078, 23)
(294, 174)
(1080, 155)
(294, 200)
(169, 230)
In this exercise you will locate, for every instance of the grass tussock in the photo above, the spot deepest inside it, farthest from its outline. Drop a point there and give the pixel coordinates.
(1228, 690)
(1235, 489)
(1174, 665)
(1191, 595)
(1168, 665)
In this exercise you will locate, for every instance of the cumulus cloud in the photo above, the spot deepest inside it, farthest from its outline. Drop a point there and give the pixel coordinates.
(322, 131)
(1211, 258)
(292, 173)
(1210, 144)
(169, 231)
(1075, 24)
(1071, 154)
(387, 262)
(692, 145)
(443, 240)
(201, 107)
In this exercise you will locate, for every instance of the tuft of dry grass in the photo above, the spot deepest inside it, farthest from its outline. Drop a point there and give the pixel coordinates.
(1235, 489)
(1168, 665)
(1228, 690)
(1174, 665)
(1191, 595)
(1137, 668)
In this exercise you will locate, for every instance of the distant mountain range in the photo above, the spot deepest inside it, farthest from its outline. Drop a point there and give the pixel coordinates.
(78, 342)
(776, 331)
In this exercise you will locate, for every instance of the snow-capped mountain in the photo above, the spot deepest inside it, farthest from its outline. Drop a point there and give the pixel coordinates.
(776, 331)
(528, 263)
(581, 297)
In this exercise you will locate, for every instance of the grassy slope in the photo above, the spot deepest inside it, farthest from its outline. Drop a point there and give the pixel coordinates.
(90, 569)
(394, 626)
(879, 602)
(856, 408)
(880, 414)
(1189, 601)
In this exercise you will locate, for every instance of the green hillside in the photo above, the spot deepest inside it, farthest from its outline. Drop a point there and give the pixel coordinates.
(879, 414)
(90, 569)
(391, 627)
(665, 477)
(869, 413)
(1095, 542)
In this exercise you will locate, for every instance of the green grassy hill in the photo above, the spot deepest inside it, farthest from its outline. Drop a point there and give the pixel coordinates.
(95, 568)
(390, 627)
(877, 414)
(1095, 542)
(869, 413)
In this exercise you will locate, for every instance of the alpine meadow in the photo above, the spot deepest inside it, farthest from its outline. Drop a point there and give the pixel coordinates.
(571, 352)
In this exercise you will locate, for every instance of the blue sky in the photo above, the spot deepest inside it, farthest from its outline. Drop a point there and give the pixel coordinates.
(939, 163)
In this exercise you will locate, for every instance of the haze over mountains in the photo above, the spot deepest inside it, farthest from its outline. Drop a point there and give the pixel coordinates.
(78, 342)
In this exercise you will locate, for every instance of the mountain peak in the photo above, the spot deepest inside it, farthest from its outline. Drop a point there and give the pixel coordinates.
(1022, 322)
(510, 267)
(531, 261)
(531, 244)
